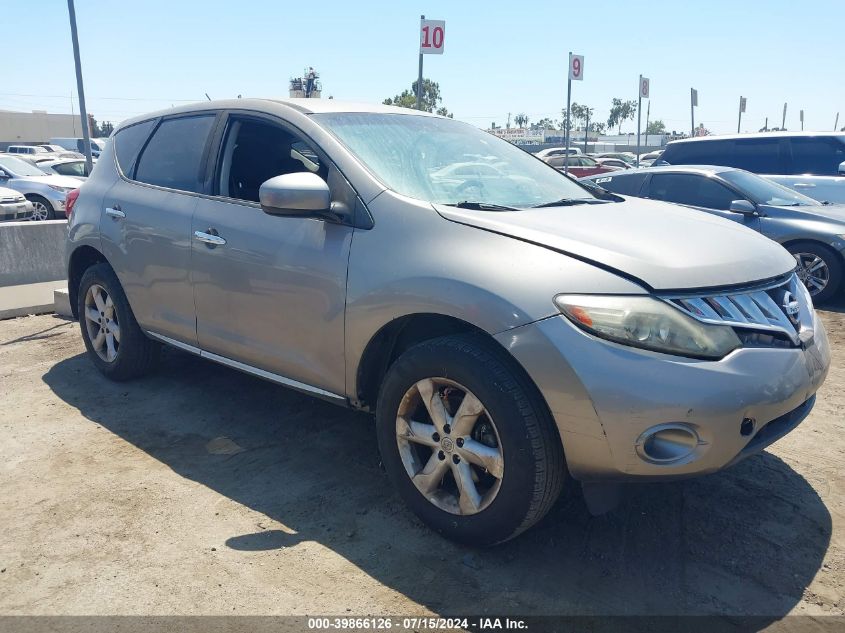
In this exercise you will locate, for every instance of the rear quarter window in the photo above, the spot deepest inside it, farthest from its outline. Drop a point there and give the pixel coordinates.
(627, 185)
(128, 142)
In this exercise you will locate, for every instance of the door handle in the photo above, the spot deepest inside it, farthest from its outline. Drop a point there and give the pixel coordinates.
(209, 238)
(115, 212)
(803, 184)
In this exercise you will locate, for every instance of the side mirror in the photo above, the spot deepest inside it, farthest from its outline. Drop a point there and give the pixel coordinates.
(4, 175)
(302, 194)
(842, 168)
(743, 206)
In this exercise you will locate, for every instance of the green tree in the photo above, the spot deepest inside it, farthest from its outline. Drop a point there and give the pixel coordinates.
(106, 128)
(597, 127)
(656, 127)
(93, 128)
(431, 99)
(521, 120)
(620, 112)
(581, 113)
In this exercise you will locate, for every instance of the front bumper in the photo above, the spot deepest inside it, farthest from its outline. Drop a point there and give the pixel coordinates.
(15, 211)
(604, 397)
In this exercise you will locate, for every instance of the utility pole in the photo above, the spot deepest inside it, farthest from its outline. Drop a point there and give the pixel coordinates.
(783, 121)
(639, 114)
(420, 74)
(693, 101)
(766, 127)
(741, 110)
(587, 129)
(647, 116)
(836, 123)
(83, 113)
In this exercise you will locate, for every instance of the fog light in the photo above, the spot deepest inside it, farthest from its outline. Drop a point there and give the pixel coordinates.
(667, 443)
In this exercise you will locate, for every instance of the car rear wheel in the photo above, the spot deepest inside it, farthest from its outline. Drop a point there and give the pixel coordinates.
(41, 209)
(819, 269)
(115, 342)
(467, 440)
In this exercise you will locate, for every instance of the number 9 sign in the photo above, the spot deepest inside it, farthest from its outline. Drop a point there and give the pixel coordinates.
(576, 67)
(432, 37)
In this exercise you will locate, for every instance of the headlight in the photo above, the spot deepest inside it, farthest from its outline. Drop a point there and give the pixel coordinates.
(60, 189)
(647, 323)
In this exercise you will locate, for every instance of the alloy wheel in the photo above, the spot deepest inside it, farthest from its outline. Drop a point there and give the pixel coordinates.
(39, 211)
(812, 271)
(101, 323)
(449, 446)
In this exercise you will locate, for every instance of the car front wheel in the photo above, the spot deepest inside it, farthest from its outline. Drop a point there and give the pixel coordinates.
(818, 268)
(467, 440)
(41, 209)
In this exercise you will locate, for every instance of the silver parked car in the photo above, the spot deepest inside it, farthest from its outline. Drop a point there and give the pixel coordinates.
(512, 335)
(812, 231)
(46, 192)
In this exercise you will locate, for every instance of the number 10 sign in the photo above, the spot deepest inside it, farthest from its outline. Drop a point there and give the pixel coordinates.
(432, 36)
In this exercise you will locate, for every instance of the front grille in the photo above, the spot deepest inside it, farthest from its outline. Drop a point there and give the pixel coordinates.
(781, 307)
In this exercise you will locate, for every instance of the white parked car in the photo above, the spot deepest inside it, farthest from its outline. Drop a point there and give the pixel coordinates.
(71, 167)
(13, 205)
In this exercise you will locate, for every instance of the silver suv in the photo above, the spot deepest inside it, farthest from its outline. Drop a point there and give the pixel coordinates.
(512, 332)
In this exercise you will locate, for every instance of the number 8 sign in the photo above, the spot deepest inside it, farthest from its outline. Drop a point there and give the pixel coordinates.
(432, 36)
(576, 67)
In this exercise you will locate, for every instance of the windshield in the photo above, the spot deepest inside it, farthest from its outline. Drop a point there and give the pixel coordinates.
(444, 161)
(763, 191)
(19, 167)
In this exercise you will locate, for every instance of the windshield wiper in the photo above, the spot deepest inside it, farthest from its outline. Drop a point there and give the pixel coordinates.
(481, 206)
(568, 202)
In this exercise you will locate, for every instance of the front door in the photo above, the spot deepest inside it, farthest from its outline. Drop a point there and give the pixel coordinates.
(272, 292)
(699, 191)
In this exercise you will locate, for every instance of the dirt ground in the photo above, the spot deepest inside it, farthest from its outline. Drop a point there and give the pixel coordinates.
(201, 490)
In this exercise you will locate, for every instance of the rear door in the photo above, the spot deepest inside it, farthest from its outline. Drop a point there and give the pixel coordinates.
(272, 294)
(146, 227)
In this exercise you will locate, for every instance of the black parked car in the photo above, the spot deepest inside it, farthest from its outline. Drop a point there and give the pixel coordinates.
(810, 162)
(812, 231)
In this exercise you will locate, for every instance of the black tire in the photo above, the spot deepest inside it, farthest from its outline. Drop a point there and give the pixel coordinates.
(51, 213)
(534, 468)
(834, 266)
(137, 355)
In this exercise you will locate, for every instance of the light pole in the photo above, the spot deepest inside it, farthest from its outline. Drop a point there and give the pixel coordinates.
(83, 113)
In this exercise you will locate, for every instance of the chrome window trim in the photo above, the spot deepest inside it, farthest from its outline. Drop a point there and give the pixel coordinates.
(249, 369)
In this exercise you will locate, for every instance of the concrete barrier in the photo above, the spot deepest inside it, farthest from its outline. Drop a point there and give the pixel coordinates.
(32, 252)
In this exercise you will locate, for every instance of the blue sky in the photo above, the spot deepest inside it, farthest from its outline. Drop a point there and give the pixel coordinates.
(500, 57)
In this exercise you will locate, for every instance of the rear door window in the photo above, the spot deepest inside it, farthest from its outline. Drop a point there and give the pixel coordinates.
(627, 185)
(817, 155)
(757, 155)
(691, 189)
(173, 156)
(128, 142)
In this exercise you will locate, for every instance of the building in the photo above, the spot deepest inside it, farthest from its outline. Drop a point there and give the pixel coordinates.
(38, 126)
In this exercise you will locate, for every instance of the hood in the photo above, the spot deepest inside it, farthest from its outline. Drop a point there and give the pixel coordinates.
(835, 212)
(664, 246)
(55, 180)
